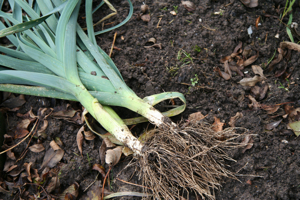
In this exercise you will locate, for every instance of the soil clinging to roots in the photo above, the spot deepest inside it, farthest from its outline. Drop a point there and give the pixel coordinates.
(191, 159)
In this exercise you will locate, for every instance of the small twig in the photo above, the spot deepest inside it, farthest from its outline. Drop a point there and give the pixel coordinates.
(242, 167)
(107, 174)
(39, 186)
(158, 23)
(113, 44)
(91, 183)
(211, 29)
(132, 183)
(21, 140)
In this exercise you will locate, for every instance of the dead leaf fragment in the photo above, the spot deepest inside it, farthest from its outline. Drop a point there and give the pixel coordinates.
(222, 74)
(272, 125)
(251, 81)
(217, 125)
(250, 60)
(290, 45)
(146, 18)
(113, 156)
(190, 6)
(195, 117)
(36, 148)
(247, 142)
(89, 135)
(254, 104)
(72, 190)
(54, 183)
(54, 146)
(100, 169)
(27, 168)
(250, 3)
(52, 157)
(11, 155)
(14, 102)
(79, 139)
(270, 108)
(258, 70)
(295, 126)
(235, 118)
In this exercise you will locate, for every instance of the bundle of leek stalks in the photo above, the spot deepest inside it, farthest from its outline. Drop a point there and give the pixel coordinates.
(53, 57)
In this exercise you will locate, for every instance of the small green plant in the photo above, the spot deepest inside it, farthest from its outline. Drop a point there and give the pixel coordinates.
(282, 86)
(197, 48)
(288, 7)
(89, 159)
(165, 8)
(173, 70)
(184, 57)
(175, 9)
(194, 80)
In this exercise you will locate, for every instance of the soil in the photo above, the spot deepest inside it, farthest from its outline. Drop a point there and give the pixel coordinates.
(270, 169)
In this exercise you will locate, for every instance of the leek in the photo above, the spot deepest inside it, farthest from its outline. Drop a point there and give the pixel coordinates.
(55, 58)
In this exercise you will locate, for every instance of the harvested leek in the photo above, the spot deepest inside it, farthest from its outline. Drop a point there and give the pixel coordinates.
(55, 58)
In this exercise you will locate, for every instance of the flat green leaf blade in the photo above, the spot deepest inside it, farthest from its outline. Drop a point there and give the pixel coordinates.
(22, 27)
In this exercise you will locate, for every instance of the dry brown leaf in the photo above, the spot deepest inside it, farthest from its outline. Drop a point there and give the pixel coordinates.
(227, 68)
(102, 151)
(250, 3)
(11, 155)
(146, 18)
(54, 146)
(108, 143)
(100, 169)
(263, 91)
(12, 167)
(251, 81)
(52, 157)
(290, 45)
(24, 124)
(270, 108)
(247, 51)
(196, 117)
(258, 70)
(54, 183)
(251, 60)
(236, 69)
(14, 102)
(58, 141)
(238, 47)
(222, 74)
(190, 6)
(247, 142)
(72, 190)
(36, 148)
(272, 125)
(236, 117)
(113, 156)
(276, 60)
(8, 163)
(217, 125)
(44, 127)
(89, 135)
(27, 168)
(95, 192)
(20, 133)
(254, 104)
(79, 139)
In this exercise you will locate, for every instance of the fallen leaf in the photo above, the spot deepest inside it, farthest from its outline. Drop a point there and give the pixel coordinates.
(54, 183)
(100, 169)
(52, 157)
(8, 163)
(257, 21)
(254, 104)
(108, 143)
(146, 18)
(102, 150)
(154, 45)
(251, 81)
(247, 51)
(235, 118)
(258, 70)
(190, 6)
(72, 189)
(95, 192)
(236, 69)
(272, 125)
(270, 108)
(14, 102)
(290, 45)
(12, 167)
(276, 60)
(89, 135)
(27, 168)
(113, 156)
(54, 146)
(24, 124)
(295, 126)
(79, 139)
(263, 91)
(11, 155)
(58, 141)
(196, 117)
(217, 125)
(247, 142)
(222, 74)
(238, 47)
(43, 128)
(250, 60)
(227, 68)
(249, 182)
(250, 3)
(36, 148)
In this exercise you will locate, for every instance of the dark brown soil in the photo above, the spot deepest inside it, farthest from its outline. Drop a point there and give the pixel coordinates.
(271, 168)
